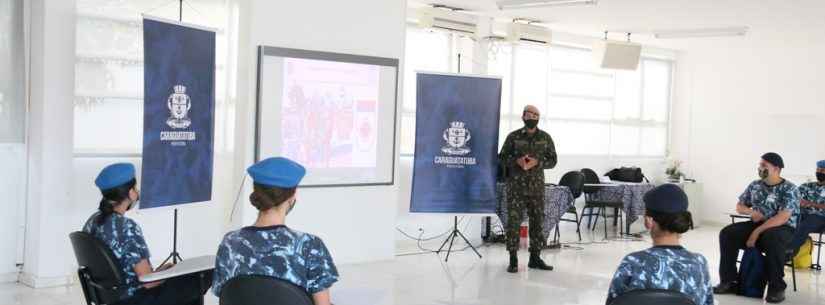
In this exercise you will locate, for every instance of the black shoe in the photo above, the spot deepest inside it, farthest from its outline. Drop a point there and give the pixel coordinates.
(537, 263)
(725, 288)
(513, 267)
(775, 297)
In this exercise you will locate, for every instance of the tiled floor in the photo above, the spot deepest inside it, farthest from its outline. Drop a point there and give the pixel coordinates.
(581, 277)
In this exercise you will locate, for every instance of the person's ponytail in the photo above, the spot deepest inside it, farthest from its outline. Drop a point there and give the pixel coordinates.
(111, 198)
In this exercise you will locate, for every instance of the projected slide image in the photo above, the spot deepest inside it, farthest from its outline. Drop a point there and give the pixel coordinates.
(330, 113)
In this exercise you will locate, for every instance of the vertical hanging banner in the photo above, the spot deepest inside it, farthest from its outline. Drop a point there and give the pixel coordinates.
(178, 113)
(456, 143)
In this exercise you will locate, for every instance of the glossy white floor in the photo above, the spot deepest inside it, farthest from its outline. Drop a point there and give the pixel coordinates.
(581, 277)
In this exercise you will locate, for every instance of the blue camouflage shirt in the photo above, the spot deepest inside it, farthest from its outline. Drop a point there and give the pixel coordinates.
(813, 192)
(125, 238)
(275, 251)
(664, 267)
(770, 200)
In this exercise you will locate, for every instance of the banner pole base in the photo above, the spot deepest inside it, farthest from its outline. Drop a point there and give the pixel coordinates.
(451, 239)
(174, 256)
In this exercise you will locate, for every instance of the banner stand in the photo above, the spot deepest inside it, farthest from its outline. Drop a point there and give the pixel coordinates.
(451, 238)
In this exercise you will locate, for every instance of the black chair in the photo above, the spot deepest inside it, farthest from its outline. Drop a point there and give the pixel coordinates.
(591, 203)
(789, 253)
(652, 297)
(818, 245)
(98, 271)
(262, 290)
(575, 182)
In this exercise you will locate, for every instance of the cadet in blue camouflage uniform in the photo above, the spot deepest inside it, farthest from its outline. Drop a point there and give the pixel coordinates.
(269, 247)
(667, 265)
(813, 208)
(125, 239)
(526, 153)
(773, 205)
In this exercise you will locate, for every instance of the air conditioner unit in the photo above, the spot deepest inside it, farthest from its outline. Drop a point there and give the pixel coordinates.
(429, 17)
(522, 32)
(619, 55)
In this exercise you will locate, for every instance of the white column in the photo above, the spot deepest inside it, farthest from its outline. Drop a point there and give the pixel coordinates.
(48, 253)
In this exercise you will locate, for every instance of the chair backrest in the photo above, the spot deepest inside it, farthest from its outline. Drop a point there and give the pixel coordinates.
(574, 181)
(652, 297)
(262, 290)
(97, 262)
(590, 177)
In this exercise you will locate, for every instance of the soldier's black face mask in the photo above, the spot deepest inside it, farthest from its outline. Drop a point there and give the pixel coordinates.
(530, 124)
(820, 177)
(292, 206)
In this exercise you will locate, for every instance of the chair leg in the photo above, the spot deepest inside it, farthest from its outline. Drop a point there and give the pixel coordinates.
(818, 254)
(579, 231)
(596, 221)
(557, 235)
(604, 215)
(793, 276)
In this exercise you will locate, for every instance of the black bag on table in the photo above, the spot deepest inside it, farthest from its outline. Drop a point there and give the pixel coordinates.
(627, 174)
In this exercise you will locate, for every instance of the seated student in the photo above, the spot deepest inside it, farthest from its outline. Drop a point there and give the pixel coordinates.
(269, 247)
(773, 205)
(813, 208)
(667, 265)
(124, 237)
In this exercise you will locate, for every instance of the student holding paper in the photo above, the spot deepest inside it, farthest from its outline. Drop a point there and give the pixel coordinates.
(125, 239)
(269, 247)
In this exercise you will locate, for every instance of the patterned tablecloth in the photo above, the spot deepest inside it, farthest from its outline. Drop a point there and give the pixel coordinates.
(557, 199)
(630, 194)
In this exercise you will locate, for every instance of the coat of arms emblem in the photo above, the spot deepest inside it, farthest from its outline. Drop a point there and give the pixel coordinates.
(179, 105)
(457, 138)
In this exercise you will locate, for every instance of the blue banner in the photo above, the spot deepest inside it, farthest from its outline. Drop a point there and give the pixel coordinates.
(456, 144)
(178, 114)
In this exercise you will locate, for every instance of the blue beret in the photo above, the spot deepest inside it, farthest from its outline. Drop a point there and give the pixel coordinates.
(666, 198)
(277, 172)
(820, 164)
(115, 175)
(774, 158)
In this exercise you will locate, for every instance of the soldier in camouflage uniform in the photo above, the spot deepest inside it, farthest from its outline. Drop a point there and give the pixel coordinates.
(526, 153)
(667, 265)
(269, 247)
(773, 205)
(813, 208)
(124, 238)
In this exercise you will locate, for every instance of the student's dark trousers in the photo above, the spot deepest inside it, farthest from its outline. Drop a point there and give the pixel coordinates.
(773, 243)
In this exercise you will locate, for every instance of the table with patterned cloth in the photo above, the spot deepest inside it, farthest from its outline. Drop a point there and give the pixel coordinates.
(630, 194)
(557, 199)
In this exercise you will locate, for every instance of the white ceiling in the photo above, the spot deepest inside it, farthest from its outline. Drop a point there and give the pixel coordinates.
(785, 19)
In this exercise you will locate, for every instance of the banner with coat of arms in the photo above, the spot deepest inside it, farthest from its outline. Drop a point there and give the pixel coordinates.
(178, 113)
(456, 143)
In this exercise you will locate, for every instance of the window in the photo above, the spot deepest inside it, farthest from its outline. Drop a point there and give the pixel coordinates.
(109, 71)
(12, 73)
(587, 110)
(430, 51)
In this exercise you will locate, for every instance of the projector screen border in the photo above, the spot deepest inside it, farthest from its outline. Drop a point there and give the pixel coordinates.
(264, 50)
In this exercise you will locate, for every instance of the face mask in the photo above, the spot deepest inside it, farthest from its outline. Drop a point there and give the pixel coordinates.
(133, 203)
(763, 173)
(531, 123)
(820, 177)
(292, 206)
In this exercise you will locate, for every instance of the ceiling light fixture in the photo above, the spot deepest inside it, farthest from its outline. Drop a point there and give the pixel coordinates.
(516, 4)
(709, 32)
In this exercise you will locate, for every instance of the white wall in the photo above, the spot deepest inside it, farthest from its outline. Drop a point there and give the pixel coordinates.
(50, 142)
(355, 223)
(741, 97)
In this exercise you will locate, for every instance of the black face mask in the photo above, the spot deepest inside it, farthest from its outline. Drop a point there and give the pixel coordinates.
(820, 177)
(530, 124)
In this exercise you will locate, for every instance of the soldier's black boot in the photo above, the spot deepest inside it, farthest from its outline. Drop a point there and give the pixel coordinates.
(537, 263)
(513, 267)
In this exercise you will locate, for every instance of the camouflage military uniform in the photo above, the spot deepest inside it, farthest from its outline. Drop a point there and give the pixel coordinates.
(525, 189)
(664, 267)
(813, 219)
(277, 251)
(768, 200)
(125, 239)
